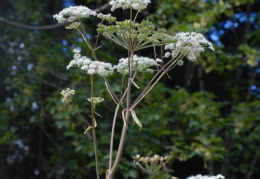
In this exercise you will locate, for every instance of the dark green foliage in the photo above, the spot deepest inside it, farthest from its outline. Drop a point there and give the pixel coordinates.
(207, 114)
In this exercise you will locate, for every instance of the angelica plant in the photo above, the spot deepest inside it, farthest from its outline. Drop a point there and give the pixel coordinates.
(132, 36)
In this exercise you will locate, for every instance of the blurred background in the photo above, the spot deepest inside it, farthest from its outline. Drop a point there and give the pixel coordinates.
(207, 116)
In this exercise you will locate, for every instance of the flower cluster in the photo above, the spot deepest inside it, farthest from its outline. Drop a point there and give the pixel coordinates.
(188, 44)
(90, 67)
(151, 164)
(140, 64)
(219, 176)
(152, 160)
(95, 100)
(126, 4)
(107, 17)
(67, 94)
(143, 35)
(73, 13)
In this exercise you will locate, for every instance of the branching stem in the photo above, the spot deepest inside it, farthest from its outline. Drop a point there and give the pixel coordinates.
(146, 90)
(112, 136)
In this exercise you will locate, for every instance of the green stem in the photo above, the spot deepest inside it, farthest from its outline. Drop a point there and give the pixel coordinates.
(93, 125)
(96, 153)
(136, 15)
(112, 137)
(122, 86)
(98, 36)
(86, 36)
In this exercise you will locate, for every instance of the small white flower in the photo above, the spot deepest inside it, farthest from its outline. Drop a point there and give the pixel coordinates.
(67, 94)
(91, 71)
(76, 50)
(180, 62)
(84, 68)
(167, 54)
(74, 13)
(92, 65)
(126, 4)
(77, 56)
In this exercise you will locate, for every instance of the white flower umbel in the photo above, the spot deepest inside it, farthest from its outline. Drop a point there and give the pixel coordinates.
(126, 4)
(140, 64)
(90, 67)
(151, 165)
(95, 100)
(67, 94)
(188, 44)
(73, 13)
(219, 176)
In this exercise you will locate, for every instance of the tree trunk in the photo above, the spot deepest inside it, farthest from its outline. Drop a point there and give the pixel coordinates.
(4, 174)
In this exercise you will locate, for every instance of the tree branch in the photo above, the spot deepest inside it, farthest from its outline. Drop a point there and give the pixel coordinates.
(44, 27)
(30, 27)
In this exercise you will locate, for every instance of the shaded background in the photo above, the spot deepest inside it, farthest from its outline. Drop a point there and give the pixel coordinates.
(207, 116)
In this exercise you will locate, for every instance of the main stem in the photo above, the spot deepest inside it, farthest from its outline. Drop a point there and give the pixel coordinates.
(124, 130)
(96, 154)
(128, 99)
(93, 129)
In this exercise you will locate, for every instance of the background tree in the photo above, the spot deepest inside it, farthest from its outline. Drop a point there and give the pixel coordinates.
(206, 115)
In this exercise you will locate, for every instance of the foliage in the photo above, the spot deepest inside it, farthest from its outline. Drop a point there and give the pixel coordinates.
(45, 137)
